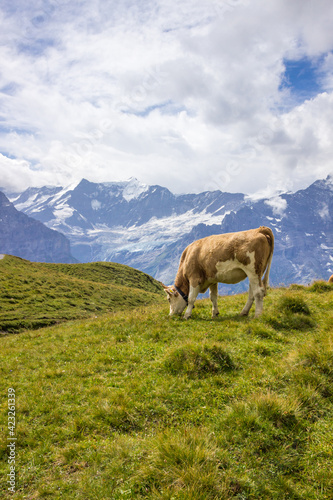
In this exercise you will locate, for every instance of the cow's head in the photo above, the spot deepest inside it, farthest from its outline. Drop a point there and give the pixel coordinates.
(176, 301)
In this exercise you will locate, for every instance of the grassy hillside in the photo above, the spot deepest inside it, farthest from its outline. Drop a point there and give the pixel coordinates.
(34, 295)
(143, 406)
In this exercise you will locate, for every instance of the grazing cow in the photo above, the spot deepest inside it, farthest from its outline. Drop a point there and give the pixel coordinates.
(331, 279)
(225, 258)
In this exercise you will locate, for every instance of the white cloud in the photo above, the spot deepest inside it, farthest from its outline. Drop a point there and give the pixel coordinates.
(186, 94)
(278, 204)
(16, 175)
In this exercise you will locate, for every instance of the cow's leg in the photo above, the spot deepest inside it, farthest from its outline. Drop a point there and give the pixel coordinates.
(213, 298)
(193, 293)
(249, 302)
(259, 294)
(259, 300)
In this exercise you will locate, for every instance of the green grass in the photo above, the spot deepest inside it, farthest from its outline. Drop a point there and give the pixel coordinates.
(33, 295)
(137, 405)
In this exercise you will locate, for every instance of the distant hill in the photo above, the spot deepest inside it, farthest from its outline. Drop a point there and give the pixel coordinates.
(28, 238)
(33, 295)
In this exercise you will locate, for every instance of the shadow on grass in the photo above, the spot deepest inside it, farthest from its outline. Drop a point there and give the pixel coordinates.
(221, 318)
(18, 326)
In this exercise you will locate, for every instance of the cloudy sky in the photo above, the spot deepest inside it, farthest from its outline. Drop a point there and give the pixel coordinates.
(193, 95)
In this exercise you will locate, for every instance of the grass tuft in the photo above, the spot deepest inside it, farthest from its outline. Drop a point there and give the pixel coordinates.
(292, 313)
(295, 304)
(183, 465)
(319, 356)
(321, 287)
(199, 361)
(281, 411)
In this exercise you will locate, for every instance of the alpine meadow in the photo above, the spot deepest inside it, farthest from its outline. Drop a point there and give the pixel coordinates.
(166, 247)
(116, 400)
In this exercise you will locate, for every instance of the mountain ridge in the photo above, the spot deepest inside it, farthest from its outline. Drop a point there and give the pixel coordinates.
(148, 227)
(28, 238)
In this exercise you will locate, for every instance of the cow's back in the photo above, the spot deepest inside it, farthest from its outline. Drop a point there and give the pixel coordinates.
(200, 258)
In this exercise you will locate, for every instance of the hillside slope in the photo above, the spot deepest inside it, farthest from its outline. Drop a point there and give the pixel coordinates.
(135, 405)
(39, 294)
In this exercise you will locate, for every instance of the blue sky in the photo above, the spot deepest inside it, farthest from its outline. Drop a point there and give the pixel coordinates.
(302, 78)
(234, 95)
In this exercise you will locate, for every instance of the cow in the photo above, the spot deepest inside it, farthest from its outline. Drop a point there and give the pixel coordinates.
(224, 258)
(331, 279)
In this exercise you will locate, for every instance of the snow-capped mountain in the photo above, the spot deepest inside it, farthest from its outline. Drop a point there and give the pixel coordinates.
(126, 222)
(148, 227)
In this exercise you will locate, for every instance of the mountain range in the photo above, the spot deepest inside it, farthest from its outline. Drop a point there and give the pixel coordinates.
(148, 227)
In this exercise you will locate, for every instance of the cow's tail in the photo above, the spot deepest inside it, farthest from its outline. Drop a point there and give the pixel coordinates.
(266, 231)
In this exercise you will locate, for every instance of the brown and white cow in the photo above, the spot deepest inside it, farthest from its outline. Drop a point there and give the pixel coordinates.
(330, 279)
(225, 258)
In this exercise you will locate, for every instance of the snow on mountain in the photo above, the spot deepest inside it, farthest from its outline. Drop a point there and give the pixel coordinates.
(153, 234)
(148, 227)
(133, 189)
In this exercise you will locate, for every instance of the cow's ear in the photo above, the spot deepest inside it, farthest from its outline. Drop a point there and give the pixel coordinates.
(167, 290)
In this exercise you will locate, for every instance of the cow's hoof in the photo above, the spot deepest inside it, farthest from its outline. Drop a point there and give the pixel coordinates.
(244, 313)
(215, 315)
